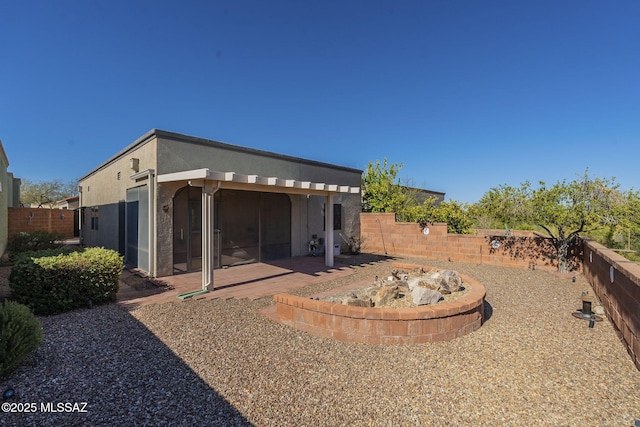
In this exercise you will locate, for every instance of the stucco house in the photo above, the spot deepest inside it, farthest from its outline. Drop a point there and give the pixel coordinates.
(69, 203)
(172, 203)
(9, 197)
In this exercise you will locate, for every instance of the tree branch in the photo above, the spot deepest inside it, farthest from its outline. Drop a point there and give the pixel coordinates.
(554, 239)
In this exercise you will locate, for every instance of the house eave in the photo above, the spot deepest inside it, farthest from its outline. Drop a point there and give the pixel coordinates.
(235, 180)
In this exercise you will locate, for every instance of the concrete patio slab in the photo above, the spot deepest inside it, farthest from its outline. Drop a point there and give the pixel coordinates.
(252, 281)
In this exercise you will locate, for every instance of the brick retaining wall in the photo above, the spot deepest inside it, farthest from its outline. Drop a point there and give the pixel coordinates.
(431, 323)
(616, 282)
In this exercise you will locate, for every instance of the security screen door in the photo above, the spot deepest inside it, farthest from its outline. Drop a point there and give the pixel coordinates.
(250, 227)
(187, 230)
(254, 226)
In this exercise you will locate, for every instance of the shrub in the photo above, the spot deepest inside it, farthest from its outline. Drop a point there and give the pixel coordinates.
(56, 281)
(34, 241)
(20, 334)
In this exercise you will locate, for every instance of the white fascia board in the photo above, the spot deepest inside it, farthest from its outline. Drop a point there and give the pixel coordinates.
(184, 175)
(221, 176)
(206, 174)
(246, 179)
(262, 180)
(285, 182)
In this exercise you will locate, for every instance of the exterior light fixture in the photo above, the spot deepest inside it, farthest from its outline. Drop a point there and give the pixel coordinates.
(134, 164)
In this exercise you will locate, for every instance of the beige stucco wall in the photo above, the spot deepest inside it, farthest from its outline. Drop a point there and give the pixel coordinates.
(107, 186)
(307, 218)
(176, 156)
(168, 153)
(13, 191)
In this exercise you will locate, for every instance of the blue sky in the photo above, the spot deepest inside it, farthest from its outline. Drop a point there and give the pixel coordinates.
(467, 95)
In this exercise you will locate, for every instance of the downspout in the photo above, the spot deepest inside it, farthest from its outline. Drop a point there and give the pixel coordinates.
(80, 216)
(152, 223)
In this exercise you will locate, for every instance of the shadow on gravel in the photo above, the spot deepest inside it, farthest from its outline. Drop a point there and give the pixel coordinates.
(104, 367)
(488, 311)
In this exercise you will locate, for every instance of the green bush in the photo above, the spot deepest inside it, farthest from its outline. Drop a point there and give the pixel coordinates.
(60, 280)
(34, 241)
(20, 334)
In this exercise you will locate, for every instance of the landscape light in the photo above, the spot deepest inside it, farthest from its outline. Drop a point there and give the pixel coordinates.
(8, 393)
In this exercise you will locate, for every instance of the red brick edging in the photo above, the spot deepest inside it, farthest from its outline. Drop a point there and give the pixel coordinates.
(431, 323)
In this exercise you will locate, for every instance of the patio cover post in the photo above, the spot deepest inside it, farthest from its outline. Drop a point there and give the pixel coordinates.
(208, 191)
(328, 226)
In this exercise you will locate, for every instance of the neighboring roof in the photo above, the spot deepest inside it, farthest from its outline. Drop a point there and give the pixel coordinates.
(203, 141)
(69, 199)
(424, 190)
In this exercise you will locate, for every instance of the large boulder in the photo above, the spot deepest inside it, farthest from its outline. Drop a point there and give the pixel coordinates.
(400, 275)
(424, 282)
(450, 281)
(385, 295)
(425, 296)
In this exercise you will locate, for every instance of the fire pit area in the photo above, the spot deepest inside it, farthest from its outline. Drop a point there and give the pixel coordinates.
(441, 321)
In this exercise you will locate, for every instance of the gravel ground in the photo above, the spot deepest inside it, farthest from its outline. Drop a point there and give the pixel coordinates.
(212, 362)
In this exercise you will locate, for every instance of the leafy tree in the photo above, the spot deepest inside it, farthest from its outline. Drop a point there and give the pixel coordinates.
(624, 233)
(454, 213)
(382, 190)
(563, 210)
(46, 193)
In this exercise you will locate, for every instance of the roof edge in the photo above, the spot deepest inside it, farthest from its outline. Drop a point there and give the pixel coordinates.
(159, 133)
(211, 142)
(140, 141)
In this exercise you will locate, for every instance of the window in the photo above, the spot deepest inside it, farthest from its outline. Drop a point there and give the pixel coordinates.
(94, 218)
(337, 217)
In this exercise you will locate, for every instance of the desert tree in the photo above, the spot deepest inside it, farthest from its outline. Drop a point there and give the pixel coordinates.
(46, 193)
(563, 210)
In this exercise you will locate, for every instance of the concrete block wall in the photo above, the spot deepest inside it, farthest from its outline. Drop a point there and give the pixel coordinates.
(36, 219)
(382, 234)
(616, 282)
